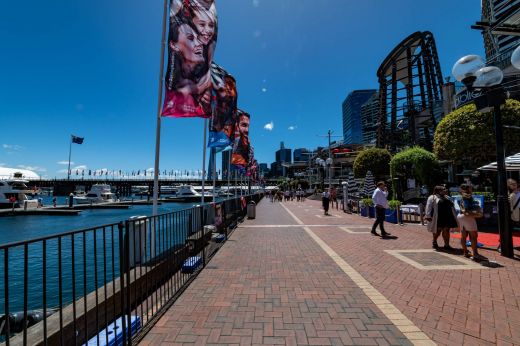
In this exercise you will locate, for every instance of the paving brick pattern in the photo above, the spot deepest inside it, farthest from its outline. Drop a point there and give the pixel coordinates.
(453, 307)
(270, 285)
(274, 286)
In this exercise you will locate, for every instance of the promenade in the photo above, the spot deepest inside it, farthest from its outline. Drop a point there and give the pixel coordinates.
(293, 276)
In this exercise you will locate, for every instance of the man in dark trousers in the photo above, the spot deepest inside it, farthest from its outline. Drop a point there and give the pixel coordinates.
(381, 204)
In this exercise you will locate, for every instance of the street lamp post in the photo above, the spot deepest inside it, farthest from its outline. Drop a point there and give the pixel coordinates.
(472, 72)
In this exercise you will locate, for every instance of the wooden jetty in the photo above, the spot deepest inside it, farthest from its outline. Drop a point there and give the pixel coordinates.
(39, 211)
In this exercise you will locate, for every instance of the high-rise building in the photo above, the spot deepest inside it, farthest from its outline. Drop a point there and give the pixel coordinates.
(499, 25)
(300, 155)
(351, 107)
(283, 155)
(225, 163)
(370, 119)
(263, 170)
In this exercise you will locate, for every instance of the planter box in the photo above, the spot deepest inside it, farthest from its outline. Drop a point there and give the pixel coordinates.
(368, 212)
(391, 215)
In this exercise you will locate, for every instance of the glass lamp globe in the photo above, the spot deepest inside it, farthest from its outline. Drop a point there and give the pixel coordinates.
(318, 161)
(488, 76)
(329, 161)
(515, 58)
(465, 68)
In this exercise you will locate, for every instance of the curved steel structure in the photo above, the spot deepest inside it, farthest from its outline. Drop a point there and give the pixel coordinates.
(410, 91)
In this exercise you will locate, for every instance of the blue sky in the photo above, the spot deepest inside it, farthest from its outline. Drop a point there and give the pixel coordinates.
(90, 68)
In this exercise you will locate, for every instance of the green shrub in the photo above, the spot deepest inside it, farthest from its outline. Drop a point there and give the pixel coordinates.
(467, 137)
(394, 204)
(367, 202)
(375, 160)
(419, 162)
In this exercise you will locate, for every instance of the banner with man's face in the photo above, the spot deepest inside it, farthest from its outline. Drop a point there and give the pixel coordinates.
(241, 145)
(224, 108)
(191, 45)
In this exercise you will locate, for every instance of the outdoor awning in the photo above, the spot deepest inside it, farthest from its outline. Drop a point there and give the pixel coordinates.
(512, 164)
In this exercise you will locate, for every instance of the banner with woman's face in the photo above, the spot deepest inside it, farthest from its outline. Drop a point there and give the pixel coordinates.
(241, 145)
(224, 108)
(191, 45)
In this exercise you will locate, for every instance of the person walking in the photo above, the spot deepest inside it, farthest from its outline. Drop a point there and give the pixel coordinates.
(514, 201)
(333, 197)
(325, 200)
(469, 211)
(441, 216)
(379, 197)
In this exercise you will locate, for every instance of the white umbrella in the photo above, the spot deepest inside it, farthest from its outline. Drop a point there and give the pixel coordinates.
(512, 164)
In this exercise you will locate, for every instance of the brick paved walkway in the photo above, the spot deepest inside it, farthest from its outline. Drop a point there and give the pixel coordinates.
(293, 276)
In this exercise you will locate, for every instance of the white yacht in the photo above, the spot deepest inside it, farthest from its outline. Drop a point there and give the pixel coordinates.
(99, 193)
(186, 193)
(13, 190)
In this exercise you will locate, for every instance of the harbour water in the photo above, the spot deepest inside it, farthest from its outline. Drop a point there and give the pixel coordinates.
(75, 256)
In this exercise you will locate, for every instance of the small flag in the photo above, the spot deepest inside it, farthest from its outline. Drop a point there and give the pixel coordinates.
(77, 140)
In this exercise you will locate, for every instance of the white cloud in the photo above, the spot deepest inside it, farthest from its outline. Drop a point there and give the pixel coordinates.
(269, 126)
(80, 167)
(64, 162)
(64, 171)
(14, 147)
(33, 168)
(150, 170)
(293, 127)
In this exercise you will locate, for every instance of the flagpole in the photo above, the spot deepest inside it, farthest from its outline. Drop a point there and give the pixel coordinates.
(70, 151)
(204, 158)
(214, 169)
(228, 171)
(159, 105)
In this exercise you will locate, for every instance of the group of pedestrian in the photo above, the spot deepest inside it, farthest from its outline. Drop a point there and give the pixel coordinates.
(442, 217)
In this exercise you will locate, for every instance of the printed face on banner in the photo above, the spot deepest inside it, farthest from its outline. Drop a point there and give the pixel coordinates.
(221, 128)
(241, 147)
(191, 44)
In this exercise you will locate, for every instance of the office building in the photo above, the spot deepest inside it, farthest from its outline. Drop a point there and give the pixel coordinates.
(263, 170)
(351, 108)
(501, 33)
(300, 155)
(225, 163)
(370, 119)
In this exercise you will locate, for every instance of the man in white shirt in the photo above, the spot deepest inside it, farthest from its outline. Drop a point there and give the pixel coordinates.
(381, 204)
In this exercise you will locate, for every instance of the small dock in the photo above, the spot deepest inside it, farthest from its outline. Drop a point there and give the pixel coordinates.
(39, 211)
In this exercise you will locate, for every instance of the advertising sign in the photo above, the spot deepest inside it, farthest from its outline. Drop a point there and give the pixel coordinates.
(191, 45)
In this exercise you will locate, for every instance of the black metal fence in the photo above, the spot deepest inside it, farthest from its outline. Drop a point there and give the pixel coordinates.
(110, 282)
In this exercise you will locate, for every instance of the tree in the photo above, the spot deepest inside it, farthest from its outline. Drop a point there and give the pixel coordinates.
(418, 162)
(375, 160)
(466, 136)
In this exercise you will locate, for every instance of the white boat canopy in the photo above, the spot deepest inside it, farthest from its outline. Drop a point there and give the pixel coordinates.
(13, 173)
(512, 164)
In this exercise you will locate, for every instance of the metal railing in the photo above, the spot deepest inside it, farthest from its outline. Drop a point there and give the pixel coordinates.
(111, 281)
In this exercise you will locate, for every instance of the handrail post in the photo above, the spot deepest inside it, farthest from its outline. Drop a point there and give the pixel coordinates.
(122, 271)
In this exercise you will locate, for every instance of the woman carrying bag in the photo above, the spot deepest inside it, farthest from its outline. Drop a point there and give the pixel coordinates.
(441, 216)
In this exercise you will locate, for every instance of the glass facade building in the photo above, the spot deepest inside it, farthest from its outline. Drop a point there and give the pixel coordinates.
(351, 109)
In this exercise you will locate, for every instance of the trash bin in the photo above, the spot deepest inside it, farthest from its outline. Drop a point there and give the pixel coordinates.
(251, 210)
(137, 236)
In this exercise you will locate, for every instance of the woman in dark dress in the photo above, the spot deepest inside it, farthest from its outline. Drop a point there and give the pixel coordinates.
(441, 216)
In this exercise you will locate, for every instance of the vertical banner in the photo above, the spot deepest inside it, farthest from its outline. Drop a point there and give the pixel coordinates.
(241, 145)
(224, 108)
(191, 45)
